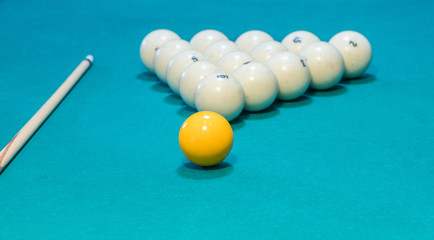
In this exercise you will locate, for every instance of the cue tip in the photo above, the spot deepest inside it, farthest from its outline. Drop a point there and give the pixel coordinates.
(89, 58)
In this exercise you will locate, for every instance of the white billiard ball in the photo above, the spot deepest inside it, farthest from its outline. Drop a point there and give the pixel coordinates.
(221, 93)
(191, 77)
(325, 63)
(166, 52)
(151, 43)
(296, 41)
(292, 73)
(356, 51)
(178, 64)
(259, 84)
(263, 51)
(248, 40)
(204, 38)
(230, 61)
(217, 49)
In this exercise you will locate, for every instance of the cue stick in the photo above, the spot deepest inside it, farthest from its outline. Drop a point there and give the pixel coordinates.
(21, 138)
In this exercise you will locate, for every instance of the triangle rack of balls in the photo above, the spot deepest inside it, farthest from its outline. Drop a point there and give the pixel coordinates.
(212, 73)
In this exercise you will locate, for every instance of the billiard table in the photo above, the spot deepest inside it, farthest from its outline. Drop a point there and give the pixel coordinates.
(352, 162)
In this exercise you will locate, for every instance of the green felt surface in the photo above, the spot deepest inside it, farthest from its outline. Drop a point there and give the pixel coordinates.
(354, 162)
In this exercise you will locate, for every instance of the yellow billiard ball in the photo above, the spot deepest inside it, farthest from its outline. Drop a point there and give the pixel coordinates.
(206, 138)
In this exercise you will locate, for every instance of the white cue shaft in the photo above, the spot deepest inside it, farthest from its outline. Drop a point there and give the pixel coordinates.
(35, 122)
